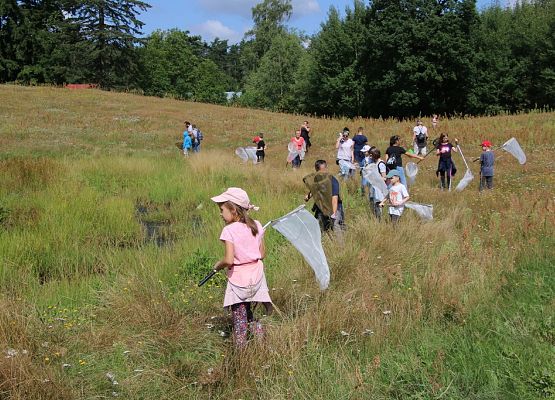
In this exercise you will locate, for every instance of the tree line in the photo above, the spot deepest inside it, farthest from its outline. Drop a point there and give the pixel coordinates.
(381, 58)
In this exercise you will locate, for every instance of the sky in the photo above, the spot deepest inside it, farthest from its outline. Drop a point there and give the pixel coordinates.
(230, 19)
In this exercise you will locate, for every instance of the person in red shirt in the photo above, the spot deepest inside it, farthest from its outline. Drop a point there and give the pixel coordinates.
(300, 143)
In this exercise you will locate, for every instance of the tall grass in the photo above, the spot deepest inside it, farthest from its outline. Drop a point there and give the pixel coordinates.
(455, 308)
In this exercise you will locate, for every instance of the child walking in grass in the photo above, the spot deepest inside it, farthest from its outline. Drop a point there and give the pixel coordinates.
(445, 167)
(377, 195)
(243, 240)
(487, 160)
(187, 143)
(398, 196)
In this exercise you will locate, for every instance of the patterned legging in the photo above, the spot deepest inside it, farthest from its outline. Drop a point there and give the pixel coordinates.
(242, 321)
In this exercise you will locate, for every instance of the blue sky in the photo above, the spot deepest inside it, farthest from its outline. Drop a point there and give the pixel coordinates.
(230, 19)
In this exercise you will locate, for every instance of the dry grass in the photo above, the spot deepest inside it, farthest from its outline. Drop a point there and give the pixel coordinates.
(75, 166)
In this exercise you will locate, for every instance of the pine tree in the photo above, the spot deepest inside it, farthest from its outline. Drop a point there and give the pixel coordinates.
(112, 26)
(10, 19)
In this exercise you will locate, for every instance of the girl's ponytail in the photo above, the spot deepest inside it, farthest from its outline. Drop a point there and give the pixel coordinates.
(251, 224)
(242, 216)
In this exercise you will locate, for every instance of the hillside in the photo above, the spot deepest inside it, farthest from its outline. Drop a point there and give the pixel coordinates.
(105, 229)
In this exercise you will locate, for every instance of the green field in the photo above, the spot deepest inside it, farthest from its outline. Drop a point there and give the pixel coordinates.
(105, 229)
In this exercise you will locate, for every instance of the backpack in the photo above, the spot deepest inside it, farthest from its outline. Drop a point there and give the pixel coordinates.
(391, 163)
(199, 135)
(386, 170)
(421, 138)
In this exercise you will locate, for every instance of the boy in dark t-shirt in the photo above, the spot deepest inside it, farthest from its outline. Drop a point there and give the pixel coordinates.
(260, 148)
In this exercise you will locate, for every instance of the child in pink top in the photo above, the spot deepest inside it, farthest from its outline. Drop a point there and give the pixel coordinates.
(243, 239)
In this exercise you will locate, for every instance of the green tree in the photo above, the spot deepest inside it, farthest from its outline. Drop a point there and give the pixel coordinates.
(419, 57)
(113, 27)
(209, 83)
(337, 85)
(270, 86)
(167, 60)
(10, 19)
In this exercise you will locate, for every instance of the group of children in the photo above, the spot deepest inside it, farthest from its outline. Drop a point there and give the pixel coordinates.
(243, 237)
(392, 171)
(192, 138)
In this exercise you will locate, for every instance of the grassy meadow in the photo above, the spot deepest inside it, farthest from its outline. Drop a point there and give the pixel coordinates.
(105, 229)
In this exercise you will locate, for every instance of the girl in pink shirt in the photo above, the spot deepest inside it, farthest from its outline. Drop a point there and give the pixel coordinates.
(243, 239)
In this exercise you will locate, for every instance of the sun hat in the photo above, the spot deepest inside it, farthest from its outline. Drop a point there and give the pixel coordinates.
(392, 173)
(237, 196)
(486, 143)
(365, 148)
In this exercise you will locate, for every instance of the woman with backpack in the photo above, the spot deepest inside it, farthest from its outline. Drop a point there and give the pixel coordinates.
(420, 138)
(393, 158)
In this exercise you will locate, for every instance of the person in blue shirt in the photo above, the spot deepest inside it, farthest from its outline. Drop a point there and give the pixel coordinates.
(360, 141)
(487, 160)
(187, 143)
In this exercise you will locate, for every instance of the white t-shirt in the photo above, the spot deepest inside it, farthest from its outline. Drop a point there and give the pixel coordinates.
(419, 128)
(345, 150)
(396, 194)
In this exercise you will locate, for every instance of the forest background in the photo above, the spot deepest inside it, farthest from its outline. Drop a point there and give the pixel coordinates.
(397, 59)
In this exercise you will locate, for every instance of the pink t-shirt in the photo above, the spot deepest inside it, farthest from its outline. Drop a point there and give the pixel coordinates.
(247, 267)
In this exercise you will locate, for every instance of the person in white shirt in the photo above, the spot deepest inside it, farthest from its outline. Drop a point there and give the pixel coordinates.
(398, 196)
(345, 153)
(420, 139)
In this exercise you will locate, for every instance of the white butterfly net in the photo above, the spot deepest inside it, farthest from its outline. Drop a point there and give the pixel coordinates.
(303, 231)
(425, 211)
(246, 154)
(411, 170)
(345, 167)
(294, 151)
(372, 175)
(465, 181)
(513, 147)
(468, 176)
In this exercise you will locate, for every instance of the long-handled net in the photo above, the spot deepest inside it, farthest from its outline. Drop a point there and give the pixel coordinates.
(345, 168)
(372, 175)
(512, 147)
(424, 211)
(411, 169)
(468, 176)
(246, 154)
(302, 230)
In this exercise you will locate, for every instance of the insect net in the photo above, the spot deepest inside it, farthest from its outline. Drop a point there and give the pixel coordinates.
(320, 187)
(246, 154)
(465, 181)
(513, 147)
(294, 151)
(468, 176)
(303, 231)
(372, 175)
(425, 211)
(411, 170)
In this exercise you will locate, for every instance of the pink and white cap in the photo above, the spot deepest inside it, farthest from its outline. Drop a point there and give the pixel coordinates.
(237, 196)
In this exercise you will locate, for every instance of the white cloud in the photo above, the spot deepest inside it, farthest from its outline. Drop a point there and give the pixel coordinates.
(305, 7)
(212, 29)
(242, 8)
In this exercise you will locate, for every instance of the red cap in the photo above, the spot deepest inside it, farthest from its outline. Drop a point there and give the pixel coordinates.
(486, 143)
